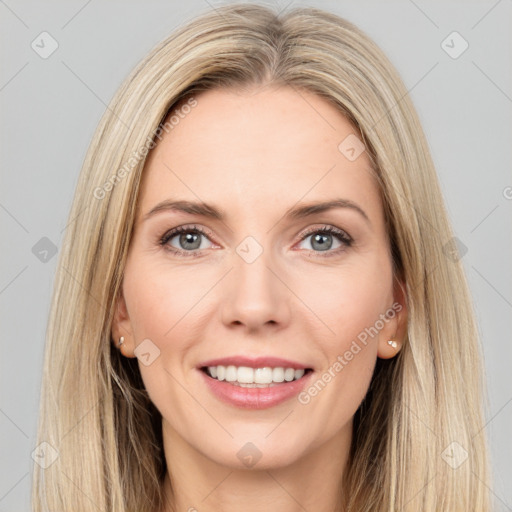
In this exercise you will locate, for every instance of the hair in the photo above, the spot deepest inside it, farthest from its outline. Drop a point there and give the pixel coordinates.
(94, 409)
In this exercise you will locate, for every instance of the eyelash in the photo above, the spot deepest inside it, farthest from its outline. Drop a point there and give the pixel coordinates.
(342, 236)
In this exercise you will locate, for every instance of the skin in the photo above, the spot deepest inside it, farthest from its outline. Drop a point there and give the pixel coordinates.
(255, 154)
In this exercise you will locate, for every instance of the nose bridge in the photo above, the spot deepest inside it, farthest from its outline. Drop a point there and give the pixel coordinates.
(252, 264)
(256, 296)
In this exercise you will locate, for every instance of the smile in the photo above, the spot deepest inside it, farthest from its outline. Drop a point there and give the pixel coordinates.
(255, 388)
(245, 376)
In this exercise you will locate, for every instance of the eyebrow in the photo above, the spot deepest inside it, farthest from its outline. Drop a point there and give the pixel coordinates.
(210, 211)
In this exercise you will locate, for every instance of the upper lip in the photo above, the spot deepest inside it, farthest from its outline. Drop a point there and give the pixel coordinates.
(255, 362)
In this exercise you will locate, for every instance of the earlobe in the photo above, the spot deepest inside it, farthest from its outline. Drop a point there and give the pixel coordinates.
(391, 341)
(121, 328)
(389, 348)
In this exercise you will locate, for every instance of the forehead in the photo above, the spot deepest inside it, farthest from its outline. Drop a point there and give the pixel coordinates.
(244, 148)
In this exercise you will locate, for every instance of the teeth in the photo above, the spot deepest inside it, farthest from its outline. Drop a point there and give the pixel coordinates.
(254, 377)
(262, 375)
(278, 374)
(231, 374)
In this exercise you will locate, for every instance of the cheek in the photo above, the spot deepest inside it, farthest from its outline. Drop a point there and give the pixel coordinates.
(162, 304)
(167, 305)
(351, 305)
(159, 299)
(350, 299)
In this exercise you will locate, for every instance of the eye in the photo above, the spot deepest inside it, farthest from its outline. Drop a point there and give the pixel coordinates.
(190, 240)
(325, 238)
(187, 240)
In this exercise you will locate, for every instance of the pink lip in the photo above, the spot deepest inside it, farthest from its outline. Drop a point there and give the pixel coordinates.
(255, 398)
(254, 362)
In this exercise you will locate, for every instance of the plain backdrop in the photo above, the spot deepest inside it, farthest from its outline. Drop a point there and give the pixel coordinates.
(51, 104)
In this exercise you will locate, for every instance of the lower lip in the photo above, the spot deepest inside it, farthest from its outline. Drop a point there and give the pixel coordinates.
(256, 398)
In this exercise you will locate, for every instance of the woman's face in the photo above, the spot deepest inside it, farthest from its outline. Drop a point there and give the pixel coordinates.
(248, 283)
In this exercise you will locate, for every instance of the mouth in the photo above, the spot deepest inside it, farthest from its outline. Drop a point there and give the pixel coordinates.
(262, 377)
(254, 382)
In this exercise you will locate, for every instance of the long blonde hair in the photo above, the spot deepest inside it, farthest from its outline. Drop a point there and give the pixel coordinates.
(424, 408)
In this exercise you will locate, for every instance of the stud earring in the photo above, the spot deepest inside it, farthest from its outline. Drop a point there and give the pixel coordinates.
(393, 343)
(121, 341)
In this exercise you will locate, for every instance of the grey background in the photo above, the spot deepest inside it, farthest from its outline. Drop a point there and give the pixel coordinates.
(50, 108)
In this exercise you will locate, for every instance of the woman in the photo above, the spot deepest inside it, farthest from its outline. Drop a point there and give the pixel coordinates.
(255, 306)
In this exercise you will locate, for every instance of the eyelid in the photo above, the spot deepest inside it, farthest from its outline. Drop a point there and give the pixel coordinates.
(326, 228)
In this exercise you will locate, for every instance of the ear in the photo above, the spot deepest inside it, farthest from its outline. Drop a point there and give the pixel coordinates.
(392, 337)
(121, 327)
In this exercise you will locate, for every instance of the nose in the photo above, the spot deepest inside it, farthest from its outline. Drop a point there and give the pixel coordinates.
(255, 295)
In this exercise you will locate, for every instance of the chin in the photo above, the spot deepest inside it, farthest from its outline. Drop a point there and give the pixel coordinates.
(258, 453)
